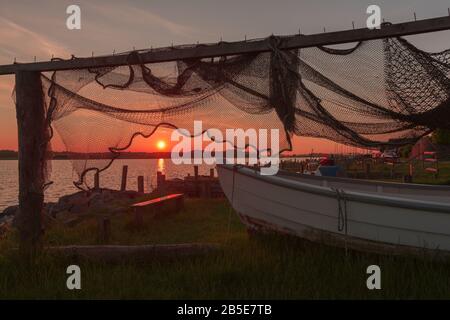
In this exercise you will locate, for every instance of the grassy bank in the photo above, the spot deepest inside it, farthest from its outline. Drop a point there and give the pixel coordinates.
(383, 171)
(246, 268)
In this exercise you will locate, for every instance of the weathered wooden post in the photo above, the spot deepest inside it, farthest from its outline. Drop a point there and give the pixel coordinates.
(367, 170)
(123, 185)
(97, 180)
(197, 189)
(158, 179)
(138, 218)
(160, 182)
(141, 184)
(211, 173)
(32, 138)
(104, 229)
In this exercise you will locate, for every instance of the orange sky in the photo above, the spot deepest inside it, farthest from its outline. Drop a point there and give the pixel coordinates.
(37, 28)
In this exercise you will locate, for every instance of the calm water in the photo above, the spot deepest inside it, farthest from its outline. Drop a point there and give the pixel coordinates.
(63, 177)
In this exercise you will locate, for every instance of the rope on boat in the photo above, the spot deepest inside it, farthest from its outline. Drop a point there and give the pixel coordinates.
(342, 210)
(342, 214)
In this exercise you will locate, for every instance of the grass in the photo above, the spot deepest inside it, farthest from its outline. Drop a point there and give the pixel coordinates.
(382, 171)
(264, 267)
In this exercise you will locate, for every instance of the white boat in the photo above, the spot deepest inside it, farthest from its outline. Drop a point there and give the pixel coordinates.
(374, 216)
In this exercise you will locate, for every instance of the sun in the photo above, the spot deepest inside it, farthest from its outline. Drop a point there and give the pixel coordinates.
(161, 145)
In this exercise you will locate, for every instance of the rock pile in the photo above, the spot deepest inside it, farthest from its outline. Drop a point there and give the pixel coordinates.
(77, 203)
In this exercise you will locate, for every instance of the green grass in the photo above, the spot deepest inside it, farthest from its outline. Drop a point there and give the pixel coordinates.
(382, 171)
(268, 266)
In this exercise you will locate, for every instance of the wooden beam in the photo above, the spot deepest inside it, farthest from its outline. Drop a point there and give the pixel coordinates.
(240, 47)
(32, 130)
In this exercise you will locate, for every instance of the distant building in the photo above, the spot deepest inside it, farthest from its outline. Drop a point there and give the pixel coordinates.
(425, 144)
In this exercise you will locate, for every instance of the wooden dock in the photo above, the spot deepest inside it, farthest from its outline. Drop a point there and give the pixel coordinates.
(193, 186)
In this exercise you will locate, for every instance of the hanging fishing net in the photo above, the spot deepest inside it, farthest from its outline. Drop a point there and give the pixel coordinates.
(377, 93)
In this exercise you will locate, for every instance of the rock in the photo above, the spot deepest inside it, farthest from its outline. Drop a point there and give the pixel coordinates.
(51, 209)
(7, 218)
(71, 199)
(79, 208)
(80, 202)
(10, 211)
(4, 227)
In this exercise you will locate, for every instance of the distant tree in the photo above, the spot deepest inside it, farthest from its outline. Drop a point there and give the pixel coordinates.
(405, 151)
(8, 154)
(441, 136)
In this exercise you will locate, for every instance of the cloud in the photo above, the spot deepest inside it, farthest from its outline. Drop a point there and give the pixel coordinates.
(6, 88)
(128, 15)
(18, 41)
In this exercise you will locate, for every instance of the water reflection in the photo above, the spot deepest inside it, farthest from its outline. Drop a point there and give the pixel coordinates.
(161, 166)
(62, 176)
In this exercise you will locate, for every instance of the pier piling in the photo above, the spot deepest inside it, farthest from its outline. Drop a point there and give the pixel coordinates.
(141, 184)
(123, 185)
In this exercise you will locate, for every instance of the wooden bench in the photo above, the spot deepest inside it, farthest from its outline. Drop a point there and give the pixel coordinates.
(157, 203)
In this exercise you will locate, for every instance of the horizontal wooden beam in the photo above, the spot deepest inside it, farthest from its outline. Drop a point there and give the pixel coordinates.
(240, 47)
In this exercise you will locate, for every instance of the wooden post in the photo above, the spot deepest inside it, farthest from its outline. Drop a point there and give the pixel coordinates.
(207, 190)
(197, 190)
(211, 173)
(138, 218)
(158, 179)
(180, 203)
(97, 180)
(104, 229)
(33, 141)
(367, 170)
(141, 184)
(196, 172)
(123, 185)
(437, 165)
(160, 182)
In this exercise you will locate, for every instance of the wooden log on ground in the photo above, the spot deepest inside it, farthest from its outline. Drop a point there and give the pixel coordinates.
(120, 254)
(123, 185)
(155, 205)
(33, 141)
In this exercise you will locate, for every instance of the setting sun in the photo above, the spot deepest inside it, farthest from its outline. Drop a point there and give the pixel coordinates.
(161, 145)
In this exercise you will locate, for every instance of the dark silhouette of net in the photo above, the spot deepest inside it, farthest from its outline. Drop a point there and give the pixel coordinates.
(378, 93)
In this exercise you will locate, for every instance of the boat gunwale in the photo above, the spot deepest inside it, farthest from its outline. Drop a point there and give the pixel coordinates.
(427, 206)
(415, 186)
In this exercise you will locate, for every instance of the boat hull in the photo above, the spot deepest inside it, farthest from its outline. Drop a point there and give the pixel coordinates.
(366, 220)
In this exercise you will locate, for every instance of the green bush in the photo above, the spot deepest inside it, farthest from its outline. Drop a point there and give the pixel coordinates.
(441, 136)
(405, 151)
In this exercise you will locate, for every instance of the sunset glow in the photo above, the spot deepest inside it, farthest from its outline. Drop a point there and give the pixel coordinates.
(161, 145)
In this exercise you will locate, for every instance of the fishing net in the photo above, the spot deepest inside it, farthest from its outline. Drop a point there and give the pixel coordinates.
(377, 93)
